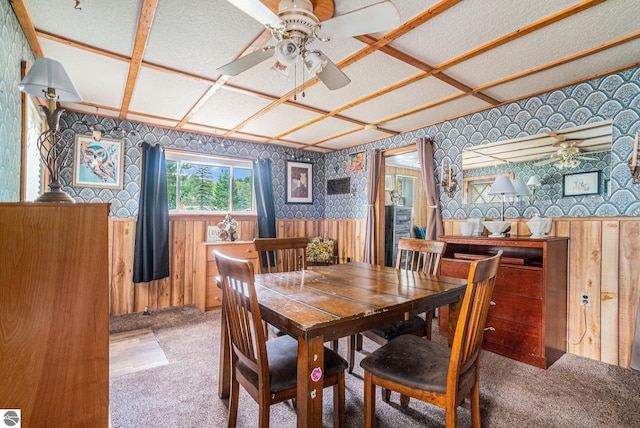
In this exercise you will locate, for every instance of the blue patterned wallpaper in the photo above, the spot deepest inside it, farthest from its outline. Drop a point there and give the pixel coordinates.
(614, 97)
(13, 49)
(124, 203)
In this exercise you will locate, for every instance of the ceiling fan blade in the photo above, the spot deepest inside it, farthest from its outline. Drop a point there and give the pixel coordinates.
(246, 62)
(381, 16)
(546, 161)
(331, 75)
(258, 11)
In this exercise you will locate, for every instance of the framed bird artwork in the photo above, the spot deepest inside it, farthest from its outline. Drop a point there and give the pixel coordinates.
(98, 163)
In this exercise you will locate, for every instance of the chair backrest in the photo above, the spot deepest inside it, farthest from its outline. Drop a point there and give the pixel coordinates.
(420, 255)
(242, 312)
(467, 340)
(282, 254)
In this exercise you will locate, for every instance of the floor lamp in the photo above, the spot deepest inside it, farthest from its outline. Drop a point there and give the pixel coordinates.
(48, 79)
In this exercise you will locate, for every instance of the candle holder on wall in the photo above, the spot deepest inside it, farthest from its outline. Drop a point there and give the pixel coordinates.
(633, 163)
(449, 184)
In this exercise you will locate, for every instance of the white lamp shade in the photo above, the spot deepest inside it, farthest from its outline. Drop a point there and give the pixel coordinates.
(534, 181)
(521, 188)
(47, 73)
(502, 186)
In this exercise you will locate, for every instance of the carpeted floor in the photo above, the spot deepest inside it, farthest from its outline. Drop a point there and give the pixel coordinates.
(573, 392)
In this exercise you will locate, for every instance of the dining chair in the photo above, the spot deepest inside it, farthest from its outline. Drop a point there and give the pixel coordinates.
(415, 255)
(285, 255)
(267, 370)
(282, 254)
(435, 373)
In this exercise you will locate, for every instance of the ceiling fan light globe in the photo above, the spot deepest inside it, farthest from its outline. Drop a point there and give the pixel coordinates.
(287, 52)
(280, 69)
(314, 63)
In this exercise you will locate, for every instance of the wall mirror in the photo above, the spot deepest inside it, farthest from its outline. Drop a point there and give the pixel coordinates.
(549, 155)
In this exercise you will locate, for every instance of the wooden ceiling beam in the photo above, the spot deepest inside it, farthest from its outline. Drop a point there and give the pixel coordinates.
(27, 26)
(147, 13)
(514, 35)
(604, 46)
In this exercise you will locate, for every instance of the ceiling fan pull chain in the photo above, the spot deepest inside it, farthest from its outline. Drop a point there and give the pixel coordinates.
(295, 81)
(302, 81)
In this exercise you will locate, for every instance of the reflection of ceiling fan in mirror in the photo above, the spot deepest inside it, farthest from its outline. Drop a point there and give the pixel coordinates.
(568, 154)
(296, 26)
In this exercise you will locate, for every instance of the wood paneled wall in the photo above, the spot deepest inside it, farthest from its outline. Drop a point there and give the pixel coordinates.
(185, 232)
(601, 262)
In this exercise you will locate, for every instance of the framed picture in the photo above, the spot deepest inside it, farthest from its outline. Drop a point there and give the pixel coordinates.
(98, 163)
(581, 184)
(357, 161)
(299, 189)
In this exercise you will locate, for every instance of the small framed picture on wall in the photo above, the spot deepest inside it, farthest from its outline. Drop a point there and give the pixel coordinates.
(581, 184)
(298, 184)
(98, 163)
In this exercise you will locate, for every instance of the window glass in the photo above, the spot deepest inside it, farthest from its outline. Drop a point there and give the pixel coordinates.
(197, 183)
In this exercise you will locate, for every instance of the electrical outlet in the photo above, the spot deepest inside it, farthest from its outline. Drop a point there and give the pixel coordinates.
(585, 299)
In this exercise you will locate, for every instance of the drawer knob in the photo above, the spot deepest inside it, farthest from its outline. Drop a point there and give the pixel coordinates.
(490, 329)
(492, 303)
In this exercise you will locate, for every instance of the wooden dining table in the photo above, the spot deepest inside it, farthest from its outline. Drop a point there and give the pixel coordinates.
(329, 302)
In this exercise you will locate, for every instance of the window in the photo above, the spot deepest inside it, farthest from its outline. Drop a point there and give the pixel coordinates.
(203, 183)
(475, 190)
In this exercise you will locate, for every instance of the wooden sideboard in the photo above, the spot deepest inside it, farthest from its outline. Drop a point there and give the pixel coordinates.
(54, 313)
(528, 315)
(207, 295)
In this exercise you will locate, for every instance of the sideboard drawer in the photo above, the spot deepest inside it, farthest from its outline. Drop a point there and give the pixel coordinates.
(524, 310)
(507, 334)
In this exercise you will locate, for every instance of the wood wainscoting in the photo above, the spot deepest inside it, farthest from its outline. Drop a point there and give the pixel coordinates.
(185, 233)
(601, 262)
(602, 251)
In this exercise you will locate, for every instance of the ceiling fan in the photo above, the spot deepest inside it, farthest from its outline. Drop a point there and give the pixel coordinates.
(568, 154)
(296, 26)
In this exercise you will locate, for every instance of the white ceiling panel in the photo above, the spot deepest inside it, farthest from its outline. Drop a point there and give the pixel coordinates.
(151, 120)
(614, 58)
(202, 129)
(354, 139)
(436, 114)
(406, 98)
(98, 78)
(320, 130)
(226, 109)
(368, 75)
(471, 24)
(281, 117)
(165, 94)
(204, 35)
(551, 43)
(109, 25)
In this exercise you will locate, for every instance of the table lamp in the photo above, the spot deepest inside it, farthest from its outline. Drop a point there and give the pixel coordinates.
(48, 79)
(521, 188)
(502, 186)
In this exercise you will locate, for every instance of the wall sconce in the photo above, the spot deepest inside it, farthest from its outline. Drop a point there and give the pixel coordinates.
(447, 182)
(633, 163)
(48, 79)
(534, 181)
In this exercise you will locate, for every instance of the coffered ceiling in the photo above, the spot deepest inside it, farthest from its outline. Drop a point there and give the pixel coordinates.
(155, 61)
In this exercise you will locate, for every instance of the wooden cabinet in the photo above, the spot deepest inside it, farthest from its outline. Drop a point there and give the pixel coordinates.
(397, 224)
(528, 315)
(54, 313)
(207, 294)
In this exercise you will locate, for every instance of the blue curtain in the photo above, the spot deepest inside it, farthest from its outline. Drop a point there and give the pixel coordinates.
(151, 255)
(264, 198)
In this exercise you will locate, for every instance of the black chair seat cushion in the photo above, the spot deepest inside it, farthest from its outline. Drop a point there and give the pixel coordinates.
(282, 353)
(397, 329)
(415, 362)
